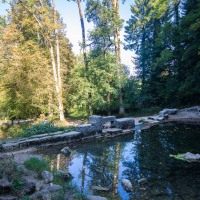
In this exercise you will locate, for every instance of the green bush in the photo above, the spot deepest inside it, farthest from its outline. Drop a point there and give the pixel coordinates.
(45, 127)
(37, 165)
(13, 131)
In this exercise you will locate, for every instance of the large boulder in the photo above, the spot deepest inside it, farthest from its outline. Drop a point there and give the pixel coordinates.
(166, 112)
(124, 123)
(95, 119)
(84, 128)
(127, 185)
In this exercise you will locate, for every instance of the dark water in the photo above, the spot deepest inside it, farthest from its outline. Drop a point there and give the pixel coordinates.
(143, 154)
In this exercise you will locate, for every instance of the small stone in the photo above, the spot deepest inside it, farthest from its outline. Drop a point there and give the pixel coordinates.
(47, 176)
(5, 186)
(127, 185)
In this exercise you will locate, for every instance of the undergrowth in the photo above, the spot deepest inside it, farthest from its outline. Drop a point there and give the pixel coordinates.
(24, 130)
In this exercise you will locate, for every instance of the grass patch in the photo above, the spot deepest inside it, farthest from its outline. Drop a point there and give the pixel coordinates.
(37, 165)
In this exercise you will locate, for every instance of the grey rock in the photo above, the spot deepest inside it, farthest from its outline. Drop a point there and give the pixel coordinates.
(84, 128)
(29, 187)
(8, 197)
(95, 119)
(124, 123)
(93, 197)
(66, 151)
(110, 119)
(127, 185)
(43, 195)
(54, 188)
(47, 176)
(5, 186)
(191, 156)
(168, 111)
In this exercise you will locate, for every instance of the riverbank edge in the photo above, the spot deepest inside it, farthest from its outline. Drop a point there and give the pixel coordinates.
(57, 138)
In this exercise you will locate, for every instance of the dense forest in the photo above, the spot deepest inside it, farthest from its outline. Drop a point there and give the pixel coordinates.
(39, 73)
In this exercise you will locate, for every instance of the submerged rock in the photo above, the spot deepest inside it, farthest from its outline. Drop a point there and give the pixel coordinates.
(191, 156)
(66, 151)
(99, 188)
(127, 185)
(93, 197)
(142, 181)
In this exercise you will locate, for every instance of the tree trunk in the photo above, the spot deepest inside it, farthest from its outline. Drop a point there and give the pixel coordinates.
(58, 92)
(89, 103)
(58, 74)
(108, 103)
(115, 5)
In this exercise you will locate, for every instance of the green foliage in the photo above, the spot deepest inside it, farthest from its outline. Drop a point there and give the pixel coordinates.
(166, 41)
(44, 127)
(27, 130)
(13, 131)
(37, 165)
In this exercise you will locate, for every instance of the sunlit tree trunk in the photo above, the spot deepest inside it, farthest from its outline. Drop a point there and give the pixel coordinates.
(56, 69)
(59, 81)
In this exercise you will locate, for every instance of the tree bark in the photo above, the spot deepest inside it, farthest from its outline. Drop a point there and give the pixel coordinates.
(58, 74)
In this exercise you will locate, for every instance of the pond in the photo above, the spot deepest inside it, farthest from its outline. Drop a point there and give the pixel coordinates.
(142, 154)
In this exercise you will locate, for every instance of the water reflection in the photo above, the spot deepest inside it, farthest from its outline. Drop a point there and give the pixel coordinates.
(100, 165)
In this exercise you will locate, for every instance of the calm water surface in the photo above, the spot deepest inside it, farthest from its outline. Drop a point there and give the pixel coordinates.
(142, 154)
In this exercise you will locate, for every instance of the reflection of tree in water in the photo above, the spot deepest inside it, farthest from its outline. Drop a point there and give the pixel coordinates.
(103, 169)
(58, 161)
(149, 158)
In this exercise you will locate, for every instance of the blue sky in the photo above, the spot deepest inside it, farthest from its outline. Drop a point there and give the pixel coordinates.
(70, 15)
